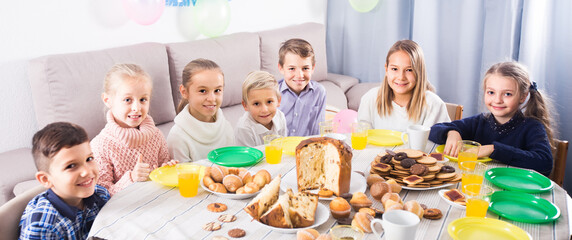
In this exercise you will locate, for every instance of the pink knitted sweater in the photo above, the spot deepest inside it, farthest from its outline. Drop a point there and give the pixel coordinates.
(117, 149)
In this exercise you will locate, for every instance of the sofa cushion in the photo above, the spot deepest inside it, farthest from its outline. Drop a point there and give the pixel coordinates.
(271, 40)
(18, 167)
(335, 97)
(68, 87)
(237, 55)
(355, 93)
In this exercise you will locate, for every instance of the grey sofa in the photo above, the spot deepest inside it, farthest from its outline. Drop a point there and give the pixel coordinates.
(67, 87)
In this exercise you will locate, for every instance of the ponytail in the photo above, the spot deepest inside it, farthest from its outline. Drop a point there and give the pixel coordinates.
(539, 108)
(182, 105)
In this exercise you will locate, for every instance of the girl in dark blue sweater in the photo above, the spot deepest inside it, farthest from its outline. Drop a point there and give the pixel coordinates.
(514, 132)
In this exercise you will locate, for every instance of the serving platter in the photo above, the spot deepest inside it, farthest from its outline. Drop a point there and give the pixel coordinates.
(230, 195)
(321, 216)
(235, 156)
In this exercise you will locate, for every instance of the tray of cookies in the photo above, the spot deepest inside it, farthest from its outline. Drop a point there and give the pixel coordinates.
(413, 169)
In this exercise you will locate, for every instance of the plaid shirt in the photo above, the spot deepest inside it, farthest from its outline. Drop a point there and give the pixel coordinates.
(48, 217)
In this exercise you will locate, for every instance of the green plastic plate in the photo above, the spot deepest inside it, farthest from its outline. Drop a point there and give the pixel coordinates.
(235, 156)
(520, 180)
(523, 207)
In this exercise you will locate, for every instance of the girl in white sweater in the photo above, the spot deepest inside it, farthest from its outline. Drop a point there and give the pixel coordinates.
(405, 96)
(200, 125)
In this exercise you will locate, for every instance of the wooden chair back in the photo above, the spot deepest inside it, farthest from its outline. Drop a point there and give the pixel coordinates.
(455, 111)
(559, 155)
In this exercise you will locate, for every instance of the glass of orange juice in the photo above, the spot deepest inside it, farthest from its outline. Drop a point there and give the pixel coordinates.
(273, 148)
(188, 175)
(478, 199)
(472, 172)
(468, 151)
(359, 135)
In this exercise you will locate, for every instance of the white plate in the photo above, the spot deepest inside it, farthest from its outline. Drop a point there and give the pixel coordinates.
(229, 195)
(337, 136)
(412, 188)
(455, 205)
(322, 215)
(357, 184)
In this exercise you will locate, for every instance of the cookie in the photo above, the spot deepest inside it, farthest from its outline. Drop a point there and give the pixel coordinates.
(227, 218)
(432, 213)
(447, 169)
(211, 226)
(386, 158)
(411, 153)
(445, 175)
(412, 180)
(216, 207)
(427, 160)
(382, 167)
(408, 162)
(326, 193)
(236, 233)
(219, 238)
(400, 156)
(438, 156)
(419, 169)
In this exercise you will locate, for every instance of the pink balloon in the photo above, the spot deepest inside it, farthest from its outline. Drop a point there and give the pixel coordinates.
(144, 12)
(344, 120)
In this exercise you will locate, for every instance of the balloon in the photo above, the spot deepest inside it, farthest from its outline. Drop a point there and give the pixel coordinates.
(363, 5)
(144, 12)
(212, 16)
(344, 120)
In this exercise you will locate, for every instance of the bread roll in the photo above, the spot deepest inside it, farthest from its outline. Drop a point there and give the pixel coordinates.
(324, 163)
(261, 178)
(217, 187)
(360, 200)
(392, 205)
(324, 236)
(414, 207)
(392, 196)
(232, 182)
(378, 189)
(218, 172)
(362, 221)
(373, 178)
(251, 187)
(307, 234)
(340, 208)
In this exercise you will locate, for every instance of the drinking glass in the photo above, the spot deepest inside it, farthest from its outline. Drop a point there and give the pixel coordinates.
(359, 135)
(273, 148)
(468, 151)
(472, 172)
(188, 175)
(345, 232)
(478, 199)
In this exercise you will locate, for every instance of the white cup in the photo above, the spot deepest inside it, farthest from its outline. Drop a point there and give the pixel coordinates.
(397, 225)
(417, 136)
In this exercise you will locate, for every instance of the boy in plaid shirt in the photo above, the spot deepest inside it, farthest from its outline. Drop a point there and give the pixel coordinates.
(66, 166)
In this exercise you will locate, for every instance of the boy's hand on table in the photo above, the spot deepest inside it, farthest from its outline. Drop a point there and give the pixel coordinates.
(141, 170)
(452, 144)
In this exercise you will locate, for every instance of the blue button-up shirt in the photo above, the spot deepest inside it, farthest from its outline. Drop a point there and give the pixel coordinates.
(47, 216)
(303, 112)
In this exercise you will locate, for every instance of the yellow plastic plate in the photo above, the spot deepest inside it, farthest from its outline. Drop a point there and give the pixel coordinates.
(440, 149)
(384, 137)
(289, 144)
(475, 228)
(167, 175)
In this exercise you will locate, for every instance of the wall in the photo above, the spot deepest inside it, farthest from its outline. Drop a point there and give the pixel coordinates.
(31, 29)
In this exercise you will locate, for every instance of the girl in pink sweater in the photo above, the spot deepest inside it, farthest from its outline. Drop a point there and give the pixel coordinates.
(130, 146)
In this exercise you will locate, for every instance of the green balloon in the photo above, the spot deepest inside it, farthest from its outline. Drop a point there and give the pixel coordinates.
(363, 5)
(212, 16)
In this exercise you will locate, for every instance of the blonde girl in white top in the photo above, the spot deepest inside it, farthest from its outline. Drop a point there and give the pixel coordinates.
(405, 96)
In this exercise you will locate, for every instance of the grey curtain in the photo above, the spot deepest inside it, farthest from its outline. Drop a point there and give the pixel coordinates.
(461, 40)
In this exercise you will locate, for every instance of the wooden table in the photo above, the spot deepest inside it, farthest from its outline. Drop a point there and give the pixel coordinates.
(148, 210)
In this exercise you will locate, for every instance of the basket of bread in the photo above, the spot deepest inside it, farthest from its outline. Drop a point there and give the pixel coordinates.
(414, 169)
(234, 183)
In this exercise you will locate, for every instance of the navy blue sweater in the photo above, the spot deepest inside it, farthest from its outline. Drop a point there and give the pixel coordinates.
(520, 142)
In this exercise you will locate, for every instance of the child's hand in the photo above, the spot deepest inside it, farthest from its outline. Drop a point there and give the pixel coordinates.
(173, 162)
(141, 170)
(452, 145)
(486, 150)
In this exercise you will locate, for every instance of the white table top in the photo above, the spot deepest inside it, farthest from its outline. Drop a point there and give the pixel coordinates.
(148, 210)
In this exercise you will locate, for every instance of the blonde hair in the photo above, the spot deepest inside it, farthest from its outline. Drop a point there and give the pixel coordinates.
(385, 95)
(191, 69)
(259, 80)
(119, 72)
(297, 46)
(537, 107)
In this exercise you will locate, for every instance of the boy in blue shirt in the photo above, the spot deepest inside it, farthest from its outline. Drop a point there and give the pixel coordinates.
(66, 166)
(303, 100)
